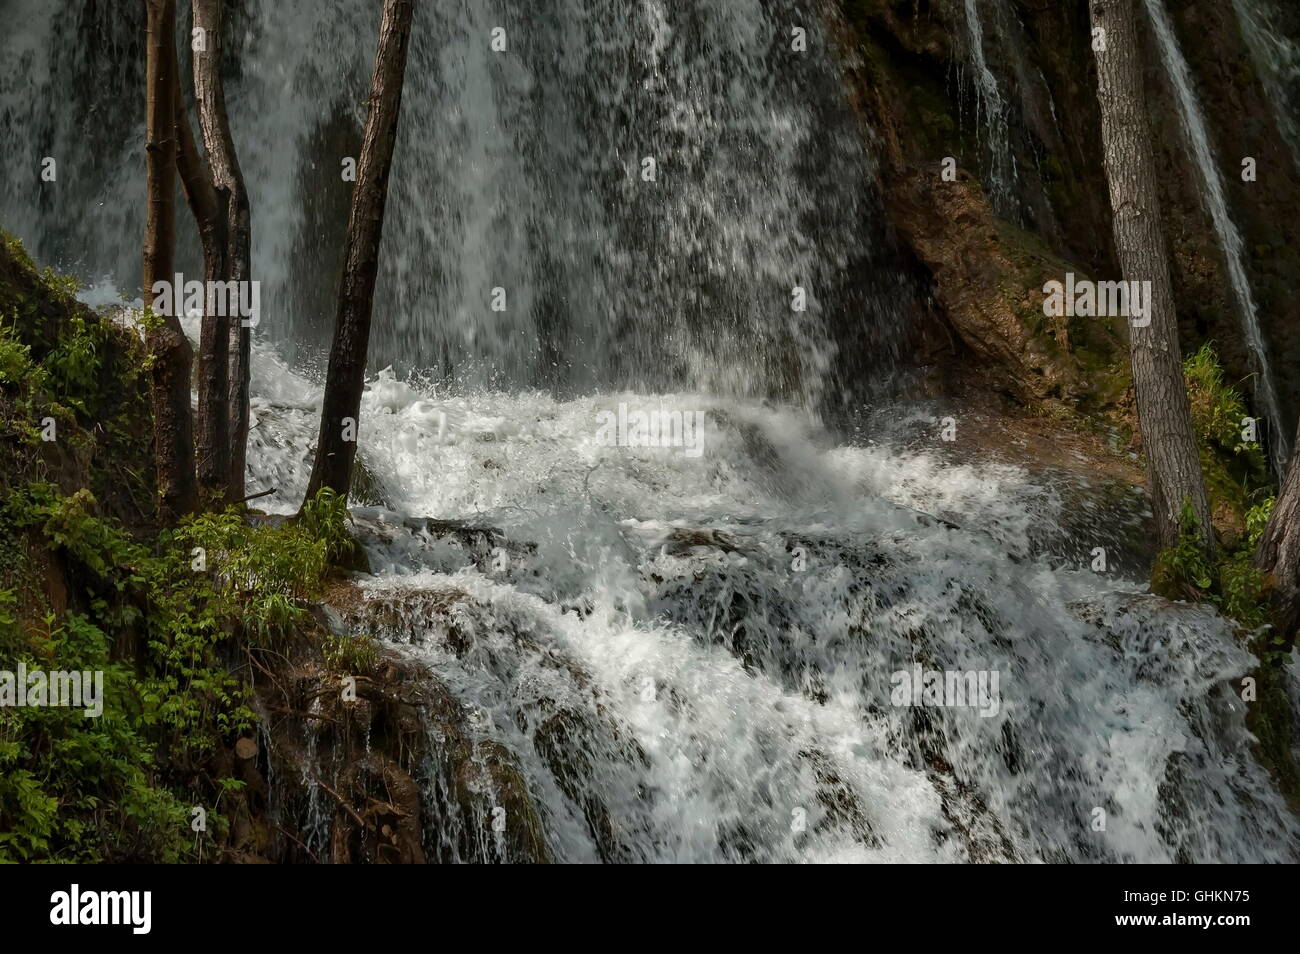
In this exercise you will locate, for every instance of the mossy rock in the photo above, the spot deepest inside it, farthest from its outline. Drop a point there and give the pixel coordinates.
(88, 375)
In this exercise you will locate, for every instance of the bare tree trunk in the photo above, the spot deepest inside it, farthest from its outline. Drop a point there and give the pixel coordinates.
(226, 175)
(1279, 552)
(208, 205)
(170, 354)
(1164, 415)
(336, 447)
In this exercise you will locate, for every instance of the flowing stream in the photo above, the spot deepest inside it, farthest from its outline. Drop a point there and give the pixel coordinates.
(721, 633)
(990, 106)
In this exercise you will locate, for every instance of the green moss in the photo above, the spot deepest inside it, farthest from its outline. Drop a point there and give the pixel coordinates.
(1087, 352)
(1270, 720)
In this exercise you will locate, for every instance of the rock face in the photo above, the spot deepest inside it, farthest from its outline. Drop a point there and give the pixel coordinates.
(1241, 126)
(384, 766)
(985, 253)
(485, 809)
(988, 276)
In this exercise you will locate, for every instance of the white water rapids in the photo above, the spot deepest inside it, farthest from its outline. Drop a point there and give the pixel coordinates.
(734, 702)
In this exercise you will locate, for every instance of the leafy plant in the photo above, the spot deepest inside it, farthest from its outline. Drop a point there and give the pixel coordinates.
(191, 599)
(1231, 457)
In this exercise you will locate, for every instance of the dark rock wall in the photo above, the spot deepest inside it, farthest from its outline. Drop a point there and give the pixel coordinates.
(907, 60)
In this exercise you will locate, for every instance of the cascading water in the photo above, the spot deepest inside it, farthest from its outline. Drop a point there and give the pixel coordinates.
(1216, 203)
(689, 656)
(717, 635)
(522, 169)
(991, 108)
(1277, 57)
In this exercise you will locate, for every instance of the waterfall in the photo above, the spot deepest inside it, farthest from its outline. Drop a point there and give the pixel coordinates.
(521, 170)
(694, 659)
(1216, 203)
(1277, 57)
(991, 110)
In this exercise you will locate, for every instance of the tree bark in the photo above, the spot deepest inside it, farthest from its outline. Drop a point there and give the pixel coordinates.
(1279, 553)
(208, 205)
(1164, 415)
(209, 93)
(170, 355)
(336, 447)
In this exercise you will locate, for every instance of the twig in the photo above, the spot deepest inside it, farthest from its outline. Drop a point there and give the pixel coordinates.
(365, 825)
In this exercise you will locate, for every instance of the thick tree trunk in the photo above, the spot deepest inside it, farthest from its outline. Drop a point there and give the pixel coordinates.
(208, 205)
(336, 447)
(1279, 552)
(170, 354)
(226, 175)
(1164, 415)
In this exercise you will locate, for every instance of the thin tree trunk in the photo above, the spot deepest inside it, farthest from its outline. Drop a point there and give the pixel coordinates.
(1164, 415)
(209, 93)
(336, 447)
(208, 205)
(170, 354)
(1279, 552)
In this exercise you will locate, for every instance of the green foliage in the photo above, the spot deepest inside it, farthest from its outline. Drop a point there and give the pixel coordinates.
(266, 572)
(355, 655)
(68, 379)
(1257, 518)
(1218, 409)
(70, 786)
(74, 365)
(1183, 571)
(25, 379)
(169, 639)
(15, 359)
(1245, 589)
(1234, 465)
(325, 518)
(189, 601)
(1230, 582)
(60, 361)
(66, 285)
(1237, 477)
